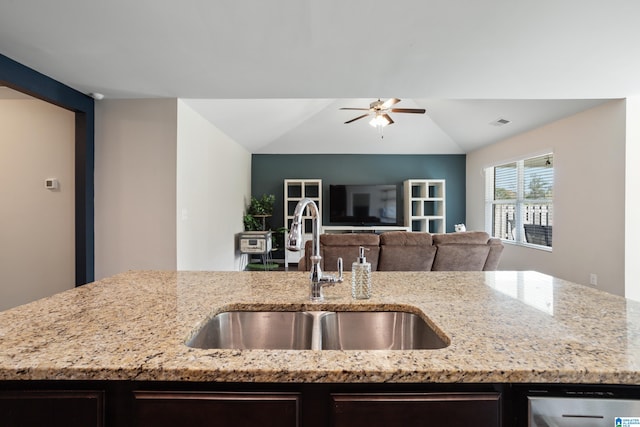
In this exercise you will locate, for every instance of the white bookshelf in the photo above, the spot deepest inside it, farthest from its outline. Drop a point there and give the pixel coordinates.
(294, 191)
(424, 205)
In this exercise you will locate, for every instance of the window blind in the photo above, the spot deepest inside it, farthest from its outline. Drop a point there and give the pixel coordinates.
(520, 200)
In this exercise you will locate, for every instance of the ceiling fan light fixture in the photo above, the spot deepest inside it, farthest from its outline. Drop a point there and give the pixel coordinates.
(379, 121)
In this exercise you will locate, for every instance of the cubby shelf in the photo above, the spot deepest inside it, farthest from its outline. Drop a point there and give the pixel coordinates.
(294, 191)
(424, 205)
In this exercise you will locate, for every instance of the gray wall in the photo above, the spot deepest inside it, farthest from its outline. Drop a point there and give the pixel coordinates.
(268, 172)
(37, 226)
(588, 196)
(135, 185)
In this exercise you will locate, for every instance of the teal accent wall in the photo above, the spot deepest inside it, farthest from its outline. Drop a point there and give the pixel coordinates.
(268, 172)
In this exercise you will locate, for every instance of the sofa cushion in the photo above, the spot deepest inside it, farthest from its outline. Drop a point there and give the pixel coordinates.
(345, 246)
(460, 257)
(406, 258)
(349, 254)
(495, 252)
(404, 251)
(405, 238)
(466, 237)
(350, 239)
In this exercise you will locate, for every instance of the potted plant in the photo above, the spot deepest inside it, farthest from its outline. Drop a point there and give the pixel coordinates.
(262, 206)
(258, 210)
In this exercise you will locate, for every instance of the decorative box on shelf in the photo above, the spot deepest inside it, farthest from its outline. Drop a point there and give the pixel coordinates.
(255, 242)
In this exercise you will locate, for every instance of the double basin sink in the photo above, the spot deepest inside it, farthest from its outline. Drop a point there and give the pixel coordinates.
(317, 330)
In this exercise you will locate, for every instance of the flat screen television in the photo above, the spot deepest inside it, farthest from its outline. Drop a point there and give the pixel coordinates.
(363, 204)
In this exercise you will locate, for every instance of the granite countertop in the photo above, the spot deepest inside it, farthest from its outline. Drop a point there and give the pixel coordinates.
(502, 326)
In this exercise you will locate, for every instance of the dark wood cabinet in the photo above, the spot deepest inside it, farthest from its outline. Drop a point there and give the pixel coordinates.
(196, 409)
(182, 403)
(199, 404)
(51, 408)
(415, 409)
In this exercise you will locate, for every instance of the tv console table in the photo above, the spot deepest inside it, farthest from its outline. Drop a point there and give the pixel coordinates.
(363, 229)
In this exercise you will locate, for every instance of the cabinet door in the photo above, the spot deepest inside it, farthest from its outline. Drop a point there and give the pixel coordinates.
(416, 409)
(195, 409)
(51, 408)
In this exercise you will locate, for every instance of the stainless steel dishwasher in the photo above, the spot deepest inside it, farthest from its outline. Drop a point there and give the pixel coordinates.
(583, 412)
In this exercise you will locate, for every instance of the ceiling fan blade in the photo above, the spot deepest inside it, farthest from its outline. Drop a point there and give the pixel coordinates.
(360, 109)
(357, 118)
(388, 103)
(386, 116)
(408, 110)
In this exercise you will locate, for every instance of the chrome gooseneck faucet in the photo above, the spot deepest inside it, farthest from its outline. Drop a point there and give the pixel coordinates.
(294, 243)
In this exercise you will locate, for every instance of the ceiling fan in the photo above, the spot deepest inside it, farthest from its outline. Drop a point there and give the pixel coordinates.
(380, 111)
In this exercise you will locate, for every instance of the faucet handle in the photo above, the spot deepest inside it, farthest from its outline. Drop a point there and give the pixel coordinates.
(330, 279)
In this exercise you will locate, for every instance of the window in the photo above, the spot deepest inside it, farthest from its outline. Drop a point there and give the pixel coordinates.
(519, 201)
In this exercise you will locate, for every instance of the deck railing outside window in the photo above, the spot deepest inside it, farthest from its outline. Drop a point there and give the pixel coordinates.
(536, 223)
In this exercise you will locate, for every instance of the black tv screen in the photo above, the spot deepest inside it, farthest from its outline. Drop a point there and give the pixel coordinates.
(363, 204)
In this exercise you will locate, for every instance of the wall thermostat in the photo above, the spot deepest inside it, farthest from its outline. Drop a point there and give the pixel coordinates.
(51, 184)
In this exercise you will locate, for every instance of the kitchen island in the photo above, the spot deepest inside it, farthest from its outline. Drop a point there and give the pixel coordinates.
(503, 328)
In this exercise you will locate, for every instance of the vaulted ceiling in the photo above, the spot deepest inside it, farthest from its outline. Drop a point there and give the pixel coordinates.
(317, 125)
(274, 74)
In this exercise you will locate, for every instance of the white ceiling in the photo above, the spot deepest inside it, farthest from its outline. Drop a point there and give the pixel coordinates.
(273, 74)
(316, 126)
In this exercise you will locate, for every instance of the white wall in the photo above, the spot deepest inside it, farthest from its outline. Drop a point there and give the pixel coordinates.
(135, 185)
(37, 227)
(213, 189)
(589, 196)
(632, 214)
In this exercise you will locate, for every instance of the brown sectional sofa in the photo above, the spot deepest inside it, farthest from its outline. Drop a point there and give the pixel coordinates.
(406, 251)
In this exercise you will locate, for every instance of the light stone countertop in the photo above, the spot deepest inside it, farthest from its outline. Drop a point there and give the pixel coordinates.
(504, 327)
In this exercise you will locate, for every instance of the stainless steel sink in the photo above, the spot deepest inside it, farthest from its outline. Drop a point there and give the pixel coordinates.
(273, 330)
(317, 330)
(377, 330)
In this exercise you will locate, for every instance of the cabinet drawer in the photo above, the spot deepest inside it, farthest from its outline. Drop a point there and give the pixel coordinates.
(54, 408)
(195, 409)
(416, 409)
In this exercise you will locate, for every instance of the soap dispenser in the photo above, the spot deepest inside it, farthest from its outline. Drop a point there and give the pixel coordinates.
(361, 276)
